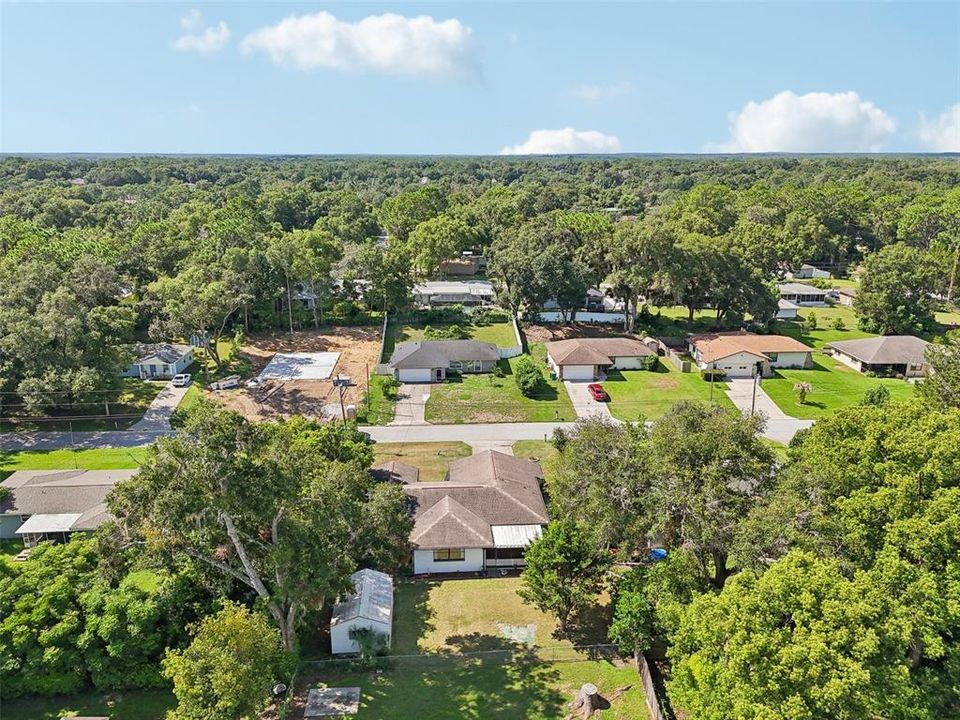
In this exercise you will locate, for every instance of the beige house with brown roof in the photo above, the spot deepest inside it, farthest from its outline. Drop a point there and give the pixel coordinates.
(590, 358)
(485, 514)
(738, 354)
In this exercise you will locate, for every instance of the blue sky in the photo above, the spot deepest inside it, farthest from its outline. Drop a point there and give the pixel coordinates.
(480, 78)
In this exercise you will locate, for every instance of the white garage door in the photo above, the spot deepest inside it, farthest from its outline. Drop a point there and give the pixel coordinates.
(578, 372)
(414, 375)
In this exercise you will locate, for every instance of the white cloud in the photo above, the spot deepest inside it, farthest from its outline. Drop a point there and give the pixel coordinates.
(383, 43)
(815, 122)
(610, 91)
(566, 141)
(200, 38)
(943, 133)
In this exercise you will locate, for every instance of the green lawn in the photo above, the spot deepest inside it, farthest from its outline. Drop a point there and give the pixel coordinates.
(95, 459)
(835, 385)
(381, 409)
(483, 398)
(540, 450)
(651, 394)
(500, 334)
(442, 622)
(129, 705)
(431, 457)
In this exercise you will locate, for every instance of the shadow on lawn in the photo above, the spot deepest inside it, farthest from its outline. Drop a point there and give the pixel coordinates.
(414, 616)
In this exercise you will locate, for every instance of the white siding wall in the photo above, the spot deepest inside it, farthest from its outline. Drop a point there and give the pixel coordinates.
(736, 366)
(578, 372)
(423, 562)
(847, 360)
(628, 363)
(415, 375)
(790, 360)
(340, 642)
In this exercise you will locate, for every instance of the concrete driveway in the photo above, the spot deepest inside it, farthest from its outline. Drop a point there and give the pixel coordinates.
(157, 417)
(411, 404)
(583, 402)
(780, 426)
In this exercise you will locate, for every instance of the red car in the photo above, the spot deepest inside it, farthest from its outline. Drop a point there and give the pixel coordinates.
(597, 392)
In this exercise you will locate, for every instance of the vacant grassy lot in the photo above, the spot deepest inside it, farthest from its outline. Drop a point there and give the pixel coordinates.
(651, 394)
(446, 619)
(500, 334)
(483, 398)
(129, 705)
(96, 459)
(835, 385)
(431, 457)
(380, 408)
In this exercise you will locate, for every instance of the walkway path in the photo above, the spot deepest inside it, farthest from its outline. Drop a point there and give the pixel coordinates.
(584, 403)
(780, 426)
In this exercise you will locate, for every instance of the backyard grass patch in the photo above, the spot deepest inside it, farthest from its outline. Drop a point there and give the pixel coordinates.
(500, 333)
(834, 385)
(467, 665)
(129, 705)
(483, 397)
(431, 457)
(652, 393)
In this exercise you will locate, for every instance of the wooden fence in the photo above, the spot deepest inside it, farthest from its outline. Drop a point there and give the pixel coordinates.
(654, 705)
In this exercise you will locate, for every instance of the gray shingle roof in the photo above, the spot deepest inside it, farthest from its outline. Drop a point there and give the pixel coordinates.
(792, 288)
(167, 353)
(485, 489)
(34, 492)
(887, 350)
(440, 353)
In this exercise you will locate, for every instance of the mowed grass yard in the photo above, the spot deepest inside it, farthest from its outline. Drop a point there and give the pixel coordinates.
(93, 459)
(484, 398)
(127, 705)
(431, 457)
(467, 666)
(500, 334)
(635, 393)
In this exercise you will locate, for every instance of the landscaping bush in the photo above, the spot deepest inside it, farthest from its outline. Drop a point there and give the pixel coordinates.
(650, 362)
(715, 375)
(450, 332)
(528, 376)
(810, 322)
(838, 324)
(876, 395)
(346, 309)
(489, 316)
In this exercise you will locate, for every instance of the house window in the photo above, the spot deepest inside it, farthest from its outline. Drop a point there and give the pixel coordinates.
(456, 365)
(743, 367)
(448, 555)
(916, 366)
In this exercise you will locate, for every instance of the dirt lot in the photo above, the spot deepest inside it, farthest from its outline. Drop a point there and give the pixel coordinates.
(358, 347)
(548, 333)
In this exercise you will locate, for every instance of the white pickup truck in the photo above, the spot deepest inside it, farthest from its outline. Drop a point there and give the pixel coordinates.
(231, 381)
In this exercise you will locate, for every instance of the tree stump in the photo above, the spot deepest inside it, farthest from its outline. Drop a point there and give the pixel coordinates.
(587, 700)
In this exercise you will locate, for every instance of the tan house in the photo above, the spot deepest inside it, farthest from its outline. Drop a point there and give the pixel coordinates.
(590, 358)
(738, 354)
(890, 355)
(485, 514)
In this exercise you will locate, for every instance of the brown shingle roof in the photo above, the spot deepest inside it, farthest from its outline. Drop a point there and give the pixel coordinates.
(714, 346)
(595, 351)
(485, 489)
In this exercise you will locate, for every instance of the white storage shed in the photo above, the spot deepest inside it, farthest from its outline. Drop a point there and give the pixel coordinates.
(370, 606)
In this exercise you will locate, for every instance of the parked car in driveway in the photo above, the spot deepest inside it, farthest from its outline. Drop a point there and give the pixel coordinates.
(597, 392)
(182, 380)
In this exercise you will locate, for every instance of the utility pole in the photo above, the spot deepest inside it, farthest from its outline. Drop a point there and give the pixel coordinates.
(343, 410)
(758, 369)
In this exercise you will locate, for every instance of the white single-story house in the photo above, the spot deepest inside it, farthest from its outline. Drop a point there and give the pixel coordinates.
(453, 292)
(484, 515)
(590, 358)
(53, 504)
(594, 300)
(787, 310)
(737, 354)
(160, 361)
(809, 272)
(889, 355)
(430, 360)
(801, 294)
(370, 605)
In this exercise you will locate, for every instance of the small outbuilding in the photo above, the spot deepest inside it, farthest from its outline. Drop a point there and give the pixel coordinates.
(370, 605)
